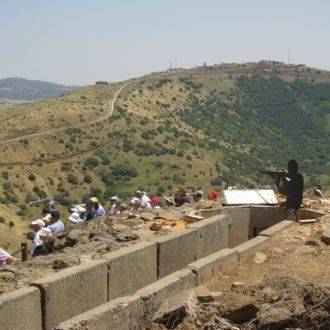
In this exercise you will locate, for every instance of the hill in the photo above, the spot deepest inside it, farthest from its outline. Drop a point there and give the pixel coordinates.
(30, 90)
(198, 128)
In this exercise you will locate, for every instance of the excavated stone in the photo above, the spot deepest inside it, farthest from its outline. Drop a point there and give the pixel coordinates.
(170, 215)
(147, 216)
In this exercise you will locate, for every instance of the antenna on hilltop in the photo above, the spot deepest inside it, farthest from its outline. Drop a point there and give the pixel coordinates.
(288, 56)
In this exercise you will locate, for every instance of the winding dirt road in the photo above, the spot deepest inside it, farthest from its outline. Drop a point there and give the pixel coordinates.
(112, 106)
(70, 156)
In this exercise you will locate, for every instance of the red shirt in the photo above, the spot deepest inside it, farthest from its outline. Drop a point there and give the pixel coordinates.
(213, 195)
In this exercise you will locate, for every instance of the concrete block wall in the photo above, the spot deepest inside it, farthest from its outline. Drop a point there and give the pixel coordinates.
(21, 310)
(79, 290)
(131, 268)
(175, 251)
(72, 291)
(212, 235)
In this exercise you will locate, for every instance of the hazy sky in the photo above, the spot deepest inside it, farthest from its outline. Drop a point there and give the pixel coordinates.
(81, 41)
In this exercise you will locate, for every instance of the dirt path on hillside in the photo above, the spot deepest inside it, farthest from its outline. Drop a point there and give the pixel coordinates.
(73, 155)
(112, 104)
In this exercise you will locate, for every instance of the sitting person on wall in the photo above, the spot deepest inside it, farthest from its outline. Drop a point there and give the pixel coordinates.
(37, 242)
(89, 207)
(214, 194)
(49, 207)
(198, 196)
(145, 201)
(169, 202)
(56, 225)
(181, 197)
(5, 258)
(135, 206)
(115, 208)
(45, 234)
(98, 208)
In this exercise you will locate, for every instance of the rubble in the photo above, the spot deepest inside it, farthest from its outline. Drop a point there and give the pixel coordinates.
(259, 257)
(175, 309)
(306, 249)
(326, 236)
(236, 286)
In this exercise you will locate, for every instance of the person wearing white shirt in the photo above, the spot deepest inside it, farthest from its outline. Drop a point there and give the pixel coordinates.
(37, 242)
(144, 200)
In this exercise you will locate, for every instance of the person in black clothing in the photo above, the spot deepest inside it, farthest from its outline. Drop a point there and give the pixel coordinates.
(291, 185)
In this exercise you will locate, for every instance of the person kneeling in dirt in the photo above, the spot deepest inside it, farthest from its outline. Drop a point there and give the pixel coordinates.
(56, 225)
(181, 197)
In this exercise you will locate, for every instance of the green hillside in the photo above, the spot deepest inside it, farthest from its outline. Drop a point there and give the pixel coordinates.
(196, 128)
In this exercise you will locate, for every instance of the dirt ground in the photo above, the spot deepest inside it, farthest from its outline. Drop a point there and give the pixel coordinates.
(296, 252)
(284, 285)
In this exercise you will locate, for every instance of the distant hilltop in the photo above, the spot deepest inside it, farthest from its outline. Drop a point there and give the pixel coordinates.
(30, 90)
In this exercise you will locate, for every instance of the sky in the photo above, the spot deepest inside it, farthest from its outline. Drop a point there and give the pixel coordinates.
(77, 42)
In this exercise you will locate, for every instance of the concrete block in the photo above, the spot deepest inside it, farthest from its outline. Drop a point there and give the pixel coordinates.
(212, 235)
(220, 261)
(251, 246)
(263, 217)
(273, 230)
(210, 212)
(21, 310)
(239, 224)
(154, 294)
(175, 251)
(132, 312)
(131, 268)
(124, 313)
(73, 291)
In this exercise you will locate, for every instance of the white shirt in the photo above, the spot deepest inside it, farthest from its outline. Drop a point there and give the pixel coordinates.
(36, 241)
(56, 227)
(145, 202)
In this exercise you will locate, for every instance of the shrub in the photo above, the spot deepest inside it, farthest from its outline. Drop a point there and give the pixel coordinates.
(72, 178)
(11, 224)
(145, 136)
(39, 192)
(66, 166)
(88, 178)
(6, 186)
(63, 200)
(30, 235)
(2, 220)
(5, 175)
(91, 162)
(31, 177)
(124, 170)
